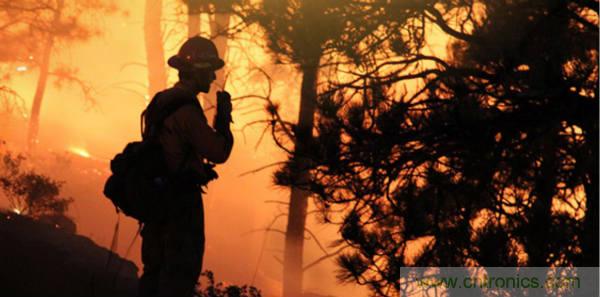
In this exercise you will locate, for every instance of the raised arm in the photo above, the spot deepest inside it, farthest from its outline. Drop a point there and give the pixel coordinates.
(214, 145)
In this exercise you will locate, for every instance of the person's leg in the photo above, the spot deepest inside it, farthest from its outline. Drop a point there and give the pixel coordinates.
(184, 250)
(151, 258)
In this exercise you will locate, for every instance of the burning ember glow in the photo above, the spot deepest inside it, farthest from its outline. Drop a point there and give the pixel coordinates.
(21, 68)
(17, 211)
(80, 151)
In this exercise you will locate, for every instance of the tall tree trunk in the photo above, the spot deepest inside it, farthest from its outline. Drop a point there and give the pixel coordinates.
(193, 21)
(294, 235)
(193, 24)
(155, 55)
(219, 23)
(34, 119)
(540, 216)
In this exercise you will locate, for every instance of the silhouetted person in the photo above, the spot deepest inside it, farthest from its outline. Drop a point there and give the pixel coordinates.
(172, 250)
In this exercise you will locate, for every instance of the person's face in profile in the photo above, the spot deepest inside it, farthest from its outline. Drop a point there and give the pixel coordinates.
(204, 78)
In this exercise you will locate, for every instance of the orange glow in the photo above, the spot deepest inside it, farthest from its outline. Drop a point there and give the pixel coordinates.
(80, 152)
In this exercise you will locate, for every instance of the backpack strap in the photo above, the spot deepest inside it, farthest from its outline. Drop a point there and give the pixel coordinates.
(151, 130)
(155, 124)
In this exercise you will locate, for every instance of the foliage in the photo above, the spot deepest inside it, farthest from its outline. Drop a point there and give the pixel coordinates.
(212, 6)
(303, 34)
(26, 23)
(11, 102)
(221, 290)
(490, 159)
(25, 31)
(30, 193)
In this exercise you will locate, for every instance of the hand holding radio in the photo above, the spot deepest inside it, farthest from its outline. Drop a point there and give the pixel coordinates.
(224, 106)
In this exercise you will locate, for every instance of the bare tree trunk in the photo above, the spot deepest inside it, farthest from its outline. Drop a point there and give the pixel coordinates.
(34, 119)
(155, 55)
(219, 24)
(193, 22)
(540, 216)
(294, 235)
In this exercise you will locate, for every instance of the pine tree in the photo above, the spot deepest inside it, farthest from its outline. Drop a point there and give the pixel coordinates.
(298, 33)
(37, 28)
(491, 161)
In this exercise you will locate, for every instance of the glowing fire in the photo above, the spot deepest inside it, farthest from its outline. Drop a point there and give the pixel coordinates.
(22, 68)
(80, 151)
(17, 211)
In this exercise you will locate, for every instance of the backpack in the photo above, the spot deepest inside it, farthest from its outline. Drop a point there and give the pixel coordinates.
(140, 183)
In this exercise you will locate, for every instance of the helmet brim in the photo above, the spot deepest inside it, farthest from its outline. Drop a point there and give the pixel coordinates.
(182, 64)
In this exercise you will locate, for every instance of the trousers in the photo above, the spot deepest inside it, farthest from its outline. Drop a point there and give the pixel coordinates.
(172, 250)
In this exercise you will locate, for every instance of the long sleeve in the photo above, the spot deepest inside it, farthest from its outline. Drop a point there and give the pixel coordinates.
(214, 145)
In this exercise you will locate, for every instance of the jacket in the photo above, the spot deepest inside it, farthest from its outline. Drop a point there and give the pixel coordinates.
(185, 136)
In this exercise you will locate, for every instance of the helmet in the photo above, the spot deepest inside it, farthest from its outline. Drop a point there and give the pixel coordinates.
(197, 52)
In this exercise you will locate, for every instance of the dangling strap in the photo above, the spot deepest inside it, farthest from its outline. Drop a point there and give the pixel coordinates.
(115, 241)
(118, 271)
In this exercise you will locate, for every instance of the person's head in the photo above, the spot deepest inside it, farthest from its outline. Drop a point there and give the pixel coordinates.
(199, 79)
(197, 61)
